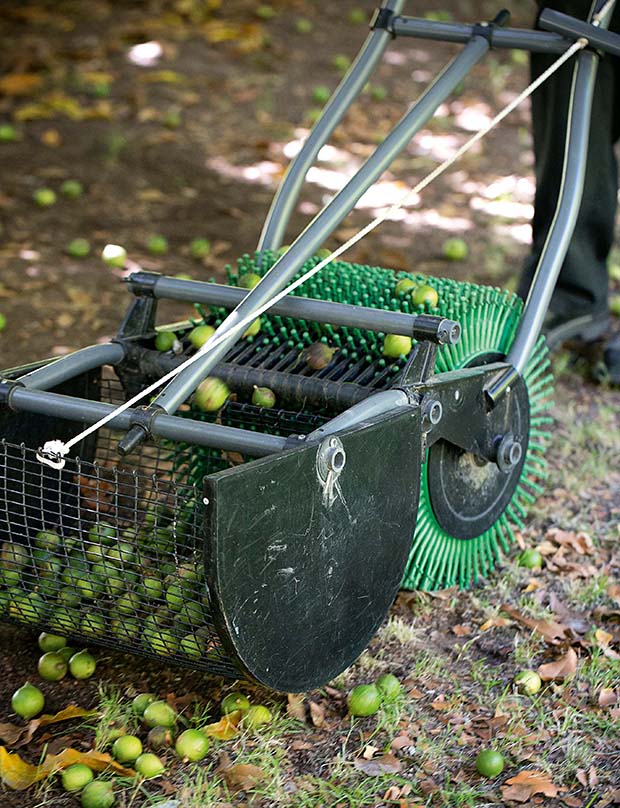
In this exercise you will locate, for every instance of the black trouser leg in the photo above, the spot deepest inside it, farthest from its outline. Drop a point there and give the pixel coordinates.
(583, 283)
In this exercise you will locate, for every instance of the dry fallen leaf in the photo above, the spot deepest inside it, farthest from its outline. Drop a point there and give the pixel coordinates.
(444, 594)
(428, 785)
(299, 745)
(461, 630)
(241, 776)
(296, 707)
(527, 783)
(317, 714)
(233, 458)
(603, 639)
(611, 796)
(20, 83)
(248, 37)
(607, 697)
(552, 632)
(94, 494)
(226, 727)
(394, 793)
(588, 779)
(11, 733)
(440, 703)
(401, 742)
(19, 775)
(495, 622)
(580, 542)
(376, 766)
(15, 736)
(592, 777)
(560, 668)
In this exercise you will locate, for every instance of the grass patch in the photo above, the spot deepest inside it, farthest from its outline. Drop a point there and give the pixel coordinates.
(344, 786)
(115, 715)
(527, 648)
(199, 787)
(401, 631)
(460, 795)
(588, 593)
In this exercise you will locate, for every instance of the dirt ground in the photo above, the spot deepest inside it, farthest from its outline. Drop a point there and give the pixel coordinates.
(90, 114)
(187, 138)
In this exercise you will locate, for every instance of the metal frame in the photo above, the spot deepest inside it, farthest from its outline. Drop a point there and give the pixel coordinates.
(338, 105)
(419, 326)
(388, 23)
(173, 427)
(285, 269)
(289, 264)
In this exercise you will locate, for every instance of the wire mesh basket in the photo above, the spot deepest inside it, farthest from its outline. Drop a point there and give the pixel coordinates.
(109, 552)
(112, 551)
(200, 556)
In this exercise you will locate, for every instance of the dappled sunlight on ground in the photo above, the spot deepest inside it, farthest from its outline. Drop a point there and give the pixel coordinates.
(504, 208)
(521, 233)
(503, 198)
(471, 117)
(439, 146)
(432, 218)
(265, 172)
(145, 54)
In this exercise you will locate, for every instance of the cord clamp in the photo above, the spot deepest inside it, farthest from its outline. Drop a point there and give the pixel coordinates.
(487, 29)
(382, 19)
(6, 388)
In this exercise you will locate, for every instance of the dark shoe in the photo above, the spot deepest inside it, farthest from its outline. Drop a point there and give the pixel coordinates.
(592, 338)
(585, 328)
(608, 369)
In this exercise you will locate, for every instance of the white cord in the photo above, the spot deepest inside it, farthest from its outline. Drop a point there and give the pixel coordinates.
(54, 451)
(598, 17)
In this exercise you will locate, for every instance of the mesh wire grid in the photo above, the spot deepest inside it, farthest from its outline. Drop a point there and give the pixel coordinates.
(107, 555)
(111, 552)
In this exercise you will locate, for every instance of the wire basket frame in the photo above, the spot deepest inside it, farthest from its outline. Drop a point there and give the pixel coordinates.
(107, 555)
(110, 551)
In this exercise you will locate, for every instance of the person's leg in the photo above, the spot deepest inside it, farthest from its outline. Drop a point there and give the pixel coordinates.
(583, 283)
(611, 346)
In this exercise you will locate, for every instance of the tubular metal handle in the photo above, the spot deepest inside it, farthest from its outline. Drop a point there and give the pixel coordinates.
(599, 38)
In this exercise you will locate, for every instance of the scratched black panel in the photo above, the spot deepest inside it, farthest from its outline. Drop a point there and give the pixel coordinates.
(300, 586)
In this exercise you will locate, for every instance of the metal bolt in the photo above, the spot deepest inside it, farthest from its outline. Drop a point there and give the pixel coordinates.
(331, 457)
(449, 332)
(454, 334)
(336, 460)
(509, 453)
(335, 456)
(432, 412)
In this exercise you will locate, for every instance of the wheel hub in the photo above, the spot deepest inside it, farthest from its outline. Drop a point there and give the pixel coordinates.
(468, 494)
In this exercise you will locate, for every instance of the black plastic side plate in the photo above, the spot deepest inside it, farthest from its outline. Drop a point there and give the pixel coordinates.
(300, 586)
